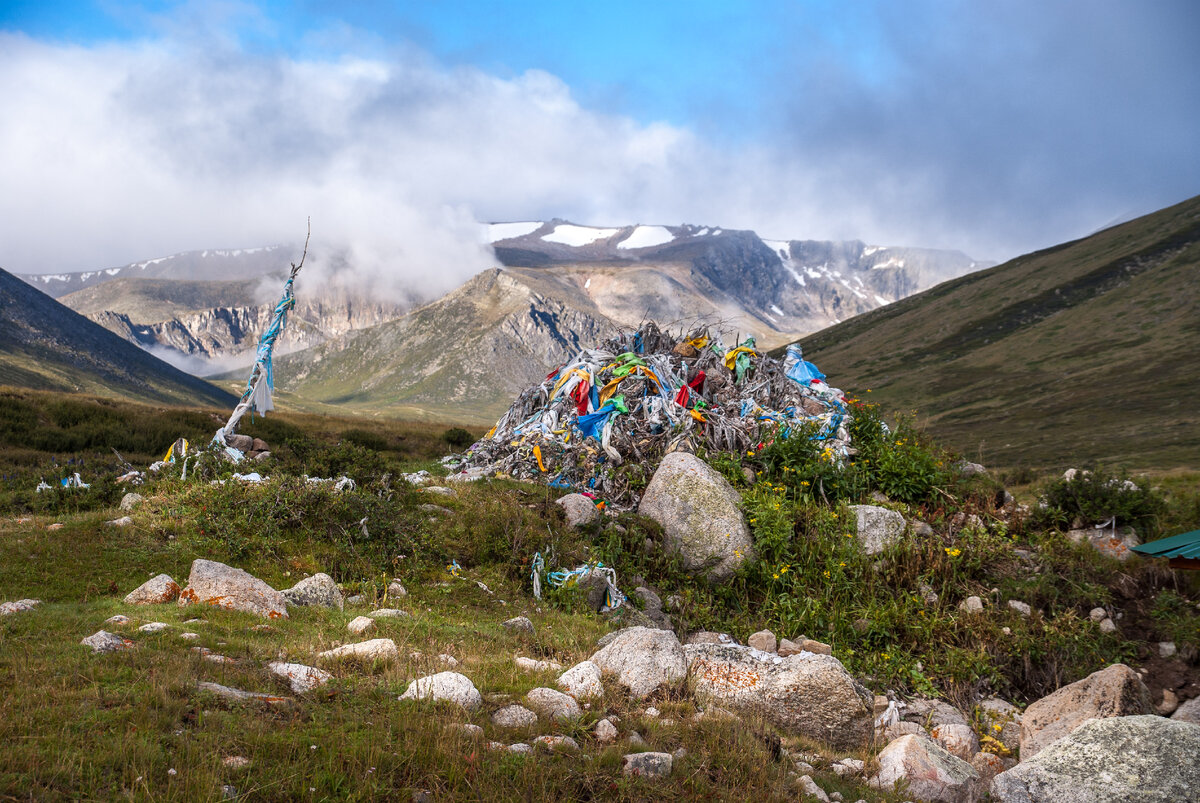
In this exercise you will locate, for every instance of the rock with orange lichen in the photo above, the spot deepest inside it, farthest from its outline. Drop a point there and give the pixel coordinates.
(213, 583)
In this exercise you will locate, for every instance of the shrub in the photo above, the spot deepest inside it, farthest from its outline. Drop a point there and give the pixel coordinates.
(458, 437)
(1092, 497)
(366, 439)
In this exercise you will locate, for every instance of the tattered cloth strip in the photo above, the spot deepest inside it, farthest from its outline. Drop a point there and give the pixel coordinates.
(601, 422)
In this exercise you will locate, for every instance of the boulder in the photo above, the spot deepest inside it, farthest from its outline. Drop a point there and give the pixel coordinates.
(238, 695)
(971, 604)
(878, 527)
(360, 625)
(1002, 721)
(1116, 691)
(213, 583)
(643, 660)
(556, 743)
(553, 704)
(514, 716)
(154, 591)
(763, 640)
(959, 740)
(519, 623)
(647, 765)
(299, 677)
(930, 713)
(8, 608)
(1117, 544)
(605, 732)
(449, 686)
(316, 591)
(153, 627)
(1188, 712)
(131, 500)
(377, 649)
(531, 665)
(1142, 758)
(700, 513)
(930, 772)
(389, 613)
(582, 681)
(807, 694)
(788, 647)
(579, 509)
(103, 641)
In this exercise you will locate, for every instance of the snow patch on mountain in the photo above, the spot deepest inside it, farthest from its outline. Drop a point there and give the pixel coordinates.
(495, 232)
(646, 236)
(570, 234)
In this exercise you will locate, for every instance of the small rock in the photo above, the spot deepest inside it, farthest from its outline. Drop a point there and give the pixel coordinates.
(556, 743)
(817, 647)
(1098, 615)
(447, 660)
(130, 501)
(389, 613)
(235, 762)
(579, 509)
(360, 625)
(154, 591)
(582, 681)
(514, 716)
(356, 599)
(553, 704)
(530, 665)
(1188, 712)
(788, 647)
(644, 660)
(396, 588)
(1107, 625)
(153, 627)
(520, 624)
(448, 686)
(636, 739)
(810, 789)
(238, 695)
(300, 678)
(848, 766)
(467, 729)
(439, 490)
(971, 604)
(8, 608)
(960, 740)
(380, 649)
(647, 765)
(763, 640)
(931, 773)
(1020, 607)
(1166, 649)
(988, 765)
(316, 591)
(1169, 703)
(605, 732)
(103, 641)
(124, 521)
(707, 637)
(189, 636)
(877, 528)
(520, 748)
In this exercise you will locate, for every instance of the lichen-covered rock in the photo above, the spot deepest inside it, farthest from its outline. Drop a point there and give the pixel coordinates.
(930, 772)
(521, 624)
(8, 608)
(448, 686)
(514, 716)
(213, 583)
(131, 500)
(103, 641)
(959, 740)
(1115, 691)
(877, 527)
(1128, 758)
(647, 765)
(553, 704)
(238, 695)
(300, 678)
(605, 732)
(377, 649)
(360, 625)
(807, 694)
(700, 513)
(154, 591)
(316, 591)
(643, 660)
(579, 509)
(582, 681)
(532, 665)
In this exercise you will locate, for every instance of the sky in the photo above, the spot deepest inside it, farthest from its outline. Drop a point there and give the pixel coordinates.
(138, 129)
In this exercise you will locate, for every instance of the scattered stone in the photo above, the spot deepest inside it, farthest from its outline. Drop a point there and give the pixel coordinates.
(652, 712)
(700, 514)
(520, 748)
(520, 624)
(970, 469)
(709, 637)
(235, 762)
(931, 713)
(848, 766)
(636, 739)
(124, 521)
(897, 729)
(119, 619)
(58, 525)
(1020, 607)
(449, 686)
(931, 773)
(389, 613)
(396, 588)
(8, 608)
(1169, 703)
(379, 649)
(807, 695)
(989, 765)
(971, 604)
(131, 500)
(788, 647)
(763, 640)
(1143, 758)
(437, 509)
(447, 660)
(514, 716)
(154, 591)
(553, 704)
(189, 636)
(960, 740)
(316, 591)
(556, 743)
(1002, 721)
(361, 625)
(877, 527)
(530, 665)
(810, 789)
(1166, 649)
(815, 647)
(1108, 626)
(212, 657)
(1116, 691)
(643, 659)
(301, 678)
(582, 681)
(213, 583)
(238, 695)
(467, 729)
(605, 732)
(579, 509)
(1188, 712)
(1118, 544)
(356, 599)
(647, 765)
(439, 490)
(1098, 615)
(103, 641)
(153, 627)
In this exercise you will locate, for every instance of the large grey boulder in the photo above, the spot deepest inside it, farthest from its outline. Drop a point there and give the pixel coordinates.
(1115, 691)
(213, 583)
(878, 527)
(643, 659)
(448, 686)
(582, 681)
(154, 591)
(700, 513)
(316, 591)
(103, 641)
(930, 772)
(553, 704)
(1148, 759)
(807, 694)
(514, 716)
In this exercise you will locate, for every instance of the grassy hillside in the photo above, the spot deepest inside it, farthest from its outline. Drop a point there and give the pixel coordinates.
(1082, 352)
(45, 345)
(154, 300)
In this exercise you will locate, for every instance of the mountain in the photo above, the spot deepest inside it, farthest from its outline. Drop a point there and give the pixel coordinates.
(1081, 352)
(47, 346)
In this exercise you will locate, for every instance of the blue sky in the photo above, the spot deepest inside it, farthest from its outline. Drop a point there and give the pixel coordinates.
(995, 128)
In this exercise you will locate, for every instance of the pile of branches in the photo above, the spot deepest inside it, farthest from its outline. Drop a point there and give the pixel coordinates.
(601, 423)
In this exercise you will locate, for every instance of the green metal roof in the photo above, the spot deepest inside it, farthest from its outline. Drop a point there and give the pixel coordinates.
(1186, 545)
